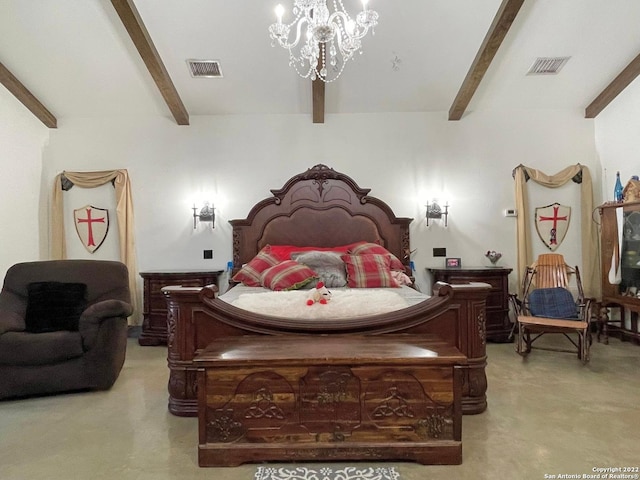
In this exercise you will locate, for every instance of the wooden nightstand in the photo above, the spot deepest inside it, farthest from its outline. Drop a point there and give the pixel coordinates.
(154, 324)
(498, 323)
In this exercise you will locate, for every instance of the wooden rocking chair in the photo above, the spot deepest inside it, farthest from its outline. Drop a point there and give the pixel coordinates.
(547, 306)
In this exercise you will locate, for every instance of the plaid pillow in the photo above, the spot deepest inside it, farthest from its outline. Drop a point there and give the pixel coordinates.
(288, 275)
(361, 248)
(251, 272)
(369, 271)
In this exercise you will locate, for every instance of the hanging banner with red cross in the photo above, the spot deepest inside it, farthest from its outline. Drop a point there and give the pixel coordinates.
(92, 225)
(552, 223)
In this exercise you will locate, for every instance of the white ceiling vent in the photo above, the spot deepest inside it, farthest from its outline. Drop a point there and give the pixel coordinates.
(205, 68)
(547, 65)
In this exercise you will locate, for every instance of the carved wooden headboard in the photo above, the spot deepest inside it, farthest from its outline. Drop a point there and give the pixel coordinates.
(320, 208)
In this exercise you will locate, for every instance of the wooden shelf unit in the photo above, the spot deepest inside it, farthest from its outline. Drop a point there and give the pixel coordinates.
(622, 296)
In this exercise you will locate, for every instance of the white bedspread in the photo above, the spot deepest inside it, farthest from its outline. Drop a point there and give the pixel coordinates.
(344, 303)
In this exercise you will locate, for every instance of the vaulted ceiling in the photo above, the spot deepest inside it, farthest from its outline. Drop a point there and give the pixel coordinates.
(66, 59)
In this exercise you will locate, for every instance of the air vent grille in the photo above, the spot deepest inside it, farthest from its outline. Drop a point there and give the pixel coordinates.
(205, 68)
(547, 65)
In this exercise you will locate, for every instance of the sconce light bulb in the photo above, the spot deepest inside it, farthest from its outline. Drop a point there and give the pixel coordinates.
(279, 12)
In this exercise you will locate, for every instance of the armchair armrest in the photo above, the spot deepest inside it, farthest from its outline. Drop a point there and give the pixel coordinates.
(92, 318)
(12, 311)
(11, 322)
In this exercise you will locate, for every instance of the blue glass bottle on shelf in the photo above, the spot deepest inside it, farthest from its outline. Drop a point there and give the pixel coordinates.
(617, 191)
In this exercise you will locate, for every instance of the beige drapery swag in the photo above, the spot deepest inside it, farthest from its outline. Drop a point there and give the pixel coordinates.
(590, 264)
(124, 214)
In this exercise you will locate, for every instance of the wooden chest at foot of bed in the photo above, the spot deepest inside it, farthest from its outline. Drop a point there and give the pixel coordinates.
(334, 397)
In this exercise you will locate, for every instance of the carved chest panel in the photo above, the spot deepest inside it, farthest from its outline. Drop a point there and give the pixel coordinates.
(293, 398)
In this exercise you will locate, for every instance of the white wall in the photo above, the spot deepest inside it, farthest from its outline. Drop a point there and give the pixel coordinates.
(22, 140)
(617, 138)
(404, 158)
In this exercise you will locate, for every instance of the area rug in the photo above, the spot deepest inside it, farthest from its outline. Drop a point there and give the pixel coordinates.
(327, 472)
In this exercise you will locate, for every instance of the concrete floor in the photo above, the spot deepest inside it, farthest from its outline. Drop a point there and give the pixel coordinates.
(548, 415)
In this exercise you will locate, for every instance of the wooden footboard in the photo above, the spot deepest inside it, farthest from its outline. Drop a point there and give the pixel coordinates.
(456, 313)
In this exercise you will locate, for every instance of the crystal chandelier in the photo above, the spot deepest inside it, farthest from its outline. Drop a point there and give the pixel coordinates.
(330, 39)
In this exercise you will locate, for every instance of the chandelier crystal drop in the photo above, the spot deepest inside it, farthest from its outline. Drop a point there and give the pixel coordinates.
(324, 41)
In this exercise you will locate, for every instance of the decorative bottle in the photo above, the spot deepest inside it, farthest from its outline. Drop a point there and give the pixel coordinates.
(617, 191)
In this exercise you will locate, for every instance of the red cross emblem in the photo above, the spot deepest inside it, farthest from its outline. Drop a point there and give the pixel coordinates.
(552, 224)
(92, 226)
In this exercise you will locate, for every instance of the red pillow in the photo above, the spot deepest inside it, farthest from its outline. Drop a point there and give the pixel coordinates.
(369, 271)
(251, 272)
(373, 248)
(287, 275)
(283, 252)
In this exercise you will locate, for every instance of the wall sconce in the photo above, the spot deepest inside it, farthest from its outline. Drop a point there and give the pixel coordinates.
(435, 211)
(206, 214)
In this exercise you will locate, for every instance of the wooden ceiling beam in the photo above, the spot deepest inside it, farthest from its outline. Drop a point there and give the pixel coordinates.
(26, 97)
(618, 84)
(497, 32)
(142, 40)
(317, 93)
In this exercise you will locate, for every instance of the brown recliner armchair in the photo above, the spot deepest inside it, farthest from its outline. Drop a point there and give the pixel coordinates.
(63, 326)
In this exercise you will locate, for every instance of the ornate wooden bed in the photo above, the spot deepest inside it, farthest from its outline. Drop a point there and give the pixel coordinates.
(324, 208)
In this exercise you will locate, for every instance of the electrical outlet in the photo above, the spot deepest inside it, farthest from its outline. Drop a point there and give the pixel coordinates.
(511, 212)
(207, 254)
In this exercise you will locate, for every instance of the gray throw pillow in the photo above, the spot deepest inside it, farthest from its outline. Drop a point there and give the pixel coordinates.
(328, 265)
